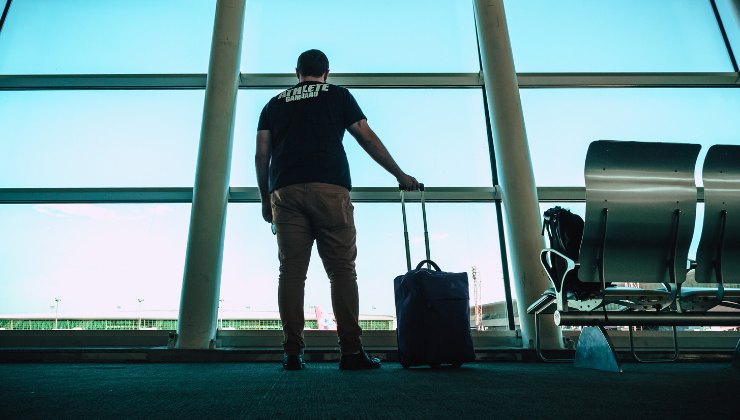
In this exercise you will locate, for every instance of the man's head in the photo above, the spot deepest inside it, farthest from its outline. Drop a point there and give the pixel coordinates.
(312, 64)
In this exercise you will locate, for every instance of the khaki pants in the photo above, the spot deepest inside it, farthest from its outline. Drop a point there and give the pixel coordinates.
(322, 212)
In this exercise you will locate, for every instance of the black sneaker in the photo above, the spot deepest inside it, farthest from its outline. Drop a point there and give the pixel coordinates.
(293, 362)
(358, 361)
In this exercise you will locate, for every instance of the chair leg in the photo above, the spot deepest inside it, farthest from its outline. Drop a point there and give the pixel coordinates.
(661, 360)
(537, 346)
(596, 351)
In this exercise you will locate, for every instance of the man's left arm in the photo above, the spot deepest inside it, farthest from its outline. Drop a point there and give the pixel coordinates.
(262, 165)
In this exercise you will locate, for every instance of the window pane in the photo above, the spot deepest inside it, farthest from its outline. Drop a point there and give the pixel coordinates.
(248, 107)
(438, 136)
(112, 36)
(98, 259)
(385, 36)
(99, 138)
(615, 36)
(561, 123)
(731, 20)
(462, 236)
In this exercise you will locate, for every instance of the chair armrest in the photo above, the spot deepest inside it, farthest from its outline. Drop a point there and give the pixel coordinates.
(546, 256)
(547, 299)
(558, 280)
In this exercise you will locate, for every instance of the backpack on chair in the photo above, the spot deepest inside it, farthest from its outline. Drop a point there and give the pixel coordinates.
(565, 232)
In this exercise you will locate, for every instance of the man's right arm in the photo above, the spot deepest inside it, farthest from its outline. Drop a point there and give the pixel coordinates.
(370, 142)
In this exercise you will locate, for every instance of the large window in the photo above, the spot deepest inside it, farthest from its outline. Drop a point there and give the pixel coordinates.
(615, 36)
(384, 36)
(731, 18)
(461, 237)
(561, 123)
(54, 139)
(128, 258)
(438, 136)
(107, 37)
(99, 260)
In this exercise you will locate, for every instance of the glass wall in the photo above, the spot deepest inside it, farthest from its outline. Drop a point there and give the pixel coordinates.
(107, 37)
(462, 236)
(99, 260)
(425, 130)
(387, 36)
(561, 123)
(103, 139)
(615, 36)
(731, 18)
(114, 260)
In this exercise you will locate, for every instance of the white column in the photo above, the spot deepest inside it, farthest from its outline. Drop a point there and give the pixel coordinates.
(202, 278)
(514, 166)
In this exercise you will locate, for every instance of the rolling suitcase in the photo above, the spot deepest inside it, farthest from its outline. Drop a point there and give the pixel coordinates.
(432, 310)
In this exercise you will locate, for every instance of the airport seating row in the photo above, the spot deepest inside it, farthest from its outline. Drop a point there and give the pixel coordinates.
(641, 206)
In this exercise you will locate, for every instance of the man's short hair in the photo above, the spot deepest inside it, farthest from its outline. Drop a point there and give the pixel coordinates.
(312, 63)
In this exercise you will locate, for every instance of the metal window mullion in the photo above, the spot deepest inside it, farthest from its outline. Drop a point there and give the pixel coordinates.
(628, 80)
(251, 195)
(94, 195)
(499, 221)
(4, 14)
(726, 40)
(371, 80)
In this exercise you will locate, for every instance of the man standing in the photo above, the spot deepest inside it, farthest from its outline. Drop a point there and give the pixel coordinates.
(304, 182)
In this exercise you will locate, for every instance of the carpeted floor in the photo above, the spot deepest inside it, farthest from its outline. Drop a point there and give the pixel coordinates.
(264, 391)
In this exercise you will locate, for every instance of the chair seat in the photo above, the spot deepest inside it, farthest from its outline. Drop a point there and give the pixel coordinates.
(633, 298)
(635, 292)
(630, 297)
(702, 299)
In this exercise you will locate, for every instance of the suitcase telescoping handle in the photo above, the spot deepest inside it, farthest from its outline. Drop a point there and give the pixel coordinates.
(406, 228)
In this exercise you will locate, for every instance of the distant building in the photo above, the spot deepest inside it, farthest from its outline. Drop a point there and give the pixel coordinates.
(167, 320)
(494, 316)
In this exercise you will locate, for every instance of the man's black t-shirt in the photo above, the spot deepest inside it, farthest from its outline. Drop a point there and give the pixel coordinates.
(307, 124)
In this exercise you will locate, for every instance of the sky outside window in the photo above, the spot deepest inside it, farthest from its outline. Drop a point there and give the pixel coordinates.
(731, 21)
(424, 130)
(168, 36)
(98, 257)
(615, 36)
(383, 36)
(66, 139)
(107, 37)
(461, 236)
(561, 123)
